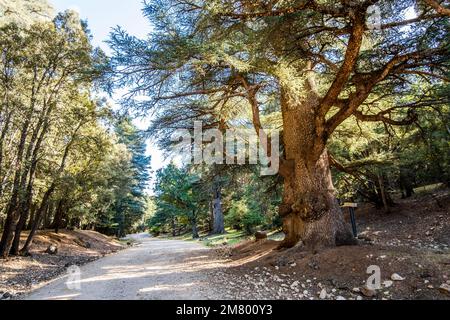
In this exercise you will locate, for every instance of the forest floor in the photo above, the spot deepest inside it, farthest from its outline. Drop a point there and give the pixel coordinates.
(412, 242)
(19, 275)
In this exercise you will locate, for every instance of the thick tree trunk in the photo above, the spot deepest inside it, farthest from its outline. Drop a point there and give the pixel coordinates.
(310, 210)
(217, 212)
(195, 234)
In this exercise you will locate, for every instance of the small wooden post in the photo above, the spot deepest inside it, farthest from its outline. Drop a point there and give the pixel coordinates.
(352, 207)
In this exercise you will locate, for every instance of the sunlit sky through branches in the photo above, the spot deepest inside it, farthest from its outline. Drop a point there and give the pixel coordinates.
(102, 16)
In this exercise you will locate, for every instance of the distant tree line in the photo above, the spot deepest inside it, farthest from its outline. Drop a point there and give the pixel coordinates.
(204, 200)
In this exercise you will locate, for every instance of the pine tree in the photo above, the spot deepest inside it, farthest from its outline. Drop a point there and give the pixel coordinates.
(130, 207)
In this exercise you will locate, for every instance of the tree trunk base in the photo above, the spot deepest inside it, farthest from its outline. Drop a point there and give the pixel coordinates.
(330, 231)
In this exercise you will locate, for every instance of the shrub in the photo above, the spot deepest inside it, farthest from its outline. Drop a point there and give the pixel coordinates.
(241, 217)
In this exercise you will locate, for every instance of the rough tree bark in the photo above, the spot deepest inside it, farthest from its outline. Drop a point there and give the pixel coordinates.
(310, 210)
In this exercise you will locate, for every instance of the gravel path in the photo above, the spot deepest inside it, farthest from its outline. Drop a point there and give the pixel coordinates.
(152, 270)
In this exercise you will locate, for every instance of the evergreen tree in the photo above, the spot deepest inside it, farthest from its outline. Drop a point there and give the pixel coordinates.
(311, 65)
(179, 197)
(130, 207)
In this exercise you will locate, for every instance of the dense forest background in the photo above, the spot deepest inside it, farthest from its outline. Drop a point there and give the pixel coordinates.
(66, 159)
(69, 160)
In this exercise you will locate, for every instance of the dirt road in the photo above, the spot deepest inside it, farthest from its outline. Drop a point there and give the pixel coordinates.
(152, 270)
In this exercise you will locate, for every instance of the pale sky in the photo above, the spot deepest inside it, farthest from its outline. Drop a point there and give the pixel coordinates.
(102, 16)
